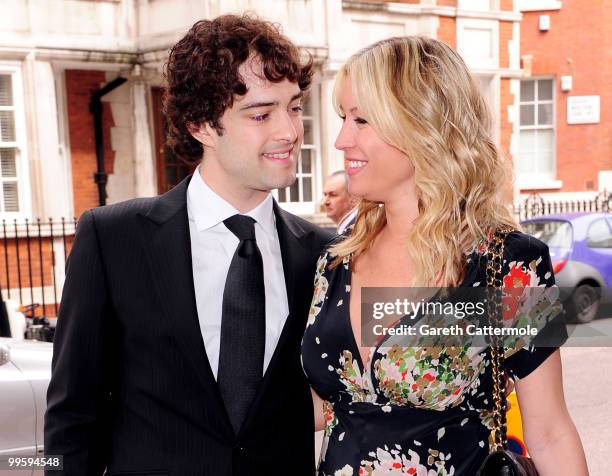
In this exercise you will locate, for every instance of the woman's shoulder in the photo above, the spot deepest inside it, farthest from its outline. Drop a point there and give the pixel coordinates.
(523, 254)
(520, 246)
(516, 244)
(526, 261)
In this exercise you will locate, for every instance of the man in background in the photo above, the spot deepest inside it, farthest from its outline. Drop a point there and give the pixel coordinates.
(338, 204)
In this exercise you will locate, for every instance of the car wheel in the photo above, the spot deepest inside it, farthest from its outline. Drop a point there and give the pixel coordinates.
(585, 303)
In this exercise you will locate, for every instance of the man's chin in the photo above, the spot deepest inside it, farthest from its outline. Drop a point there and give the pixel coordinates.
(283, 182)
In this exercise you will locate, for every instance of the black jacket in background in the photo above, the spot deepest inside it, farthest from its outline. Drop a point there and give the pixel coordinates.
(131, 388)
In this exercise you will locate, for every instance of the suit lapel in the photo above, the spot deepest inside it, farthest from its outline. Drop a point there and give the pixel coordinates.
(289, 234)
(167, 243)
(295, 258)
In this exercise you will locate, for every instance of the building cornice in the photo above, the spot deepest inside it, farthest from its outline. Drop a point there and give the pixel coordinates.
(71, 54)
(501, 72)
(106, 57)
(434, 10)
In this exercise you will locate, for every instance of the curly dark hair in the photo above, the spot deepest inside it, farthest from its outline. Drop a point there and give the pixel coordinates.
(202, 73)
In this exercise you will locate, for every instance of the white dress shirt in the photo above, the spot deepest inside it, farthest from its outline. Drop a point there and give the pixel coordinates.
(347, 220)
(212, 250)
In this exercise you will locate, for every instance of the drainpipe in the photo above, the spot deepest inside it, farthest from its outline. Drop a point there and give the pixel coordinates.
(95, 107)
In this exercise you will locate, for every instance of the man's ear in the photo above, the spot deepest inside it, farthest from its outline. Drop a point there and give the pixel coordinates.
(203, 133)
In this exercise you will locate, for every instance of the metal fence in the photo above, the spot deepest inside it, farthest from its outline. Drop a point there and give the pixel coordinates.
(534, 205)
(32, 261)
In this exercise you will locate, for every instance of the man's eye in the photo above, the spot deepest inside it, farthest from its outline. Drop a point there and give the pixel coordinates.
(260, 117)
(297, 109)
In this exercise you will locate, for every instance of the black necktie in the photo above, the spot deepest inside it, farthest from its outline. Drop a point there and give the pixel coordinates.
(243, 324)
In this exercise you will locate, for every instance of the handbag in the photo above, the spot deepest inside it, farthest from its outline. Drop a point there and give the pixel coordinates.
(501, 461)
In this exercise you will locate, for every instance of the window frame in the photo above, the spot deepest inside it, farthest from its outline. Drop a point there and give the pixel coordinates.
(592, 243)
(14, 70)
(539, 5)
(538, 179)
(464, 45)
(468, 5)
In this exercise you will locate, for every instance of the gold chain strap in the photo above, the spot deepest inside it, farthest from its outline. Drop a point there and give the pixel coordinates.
(495, 254)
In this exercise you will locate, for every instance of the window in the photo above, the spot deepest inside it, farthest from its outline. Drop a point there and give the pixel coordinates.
(10, 149)
(478, 42)
(300, 197)
(537, 130)
(599, 235)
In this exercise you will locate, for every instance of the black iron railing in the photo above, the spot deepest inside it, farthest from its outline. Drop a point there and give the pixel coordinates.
(32, 261)
(534, 206)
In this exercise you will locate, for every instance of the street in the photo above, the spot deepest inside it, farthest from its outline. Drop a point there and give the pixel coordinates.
(587, 382)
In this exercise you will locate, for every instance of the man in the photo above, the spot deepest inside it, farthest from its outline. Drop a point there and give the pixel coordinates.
(339, 205)
(178, 342)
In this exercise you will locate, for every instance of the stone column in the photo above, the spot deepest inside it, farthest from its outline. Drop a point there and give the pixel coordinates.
(48, 180)
(49, 170)
(144, 158)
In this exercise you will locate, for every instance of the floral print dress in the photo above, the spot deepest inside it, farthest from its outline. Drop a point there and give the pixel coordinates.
(421, 411)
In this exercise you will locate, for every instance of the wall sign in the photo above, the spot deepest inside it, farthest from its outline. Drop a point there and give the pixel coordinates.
(583, 110)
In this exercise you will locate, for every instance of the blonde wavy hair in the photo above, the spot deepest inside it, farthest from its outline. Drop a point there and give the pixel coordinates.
(419, 96)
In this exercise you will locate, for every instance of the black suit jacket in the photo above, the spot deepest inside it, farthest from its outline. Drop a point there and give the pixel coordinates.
(131, 388)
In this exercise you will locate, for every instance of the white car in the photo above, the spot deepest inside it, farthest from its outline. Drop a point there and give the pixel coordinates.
(25, 370)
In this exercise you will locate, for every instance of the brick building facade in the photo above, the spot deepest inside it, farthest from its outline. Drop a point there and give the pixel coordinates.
(79, 87)
(562, 42)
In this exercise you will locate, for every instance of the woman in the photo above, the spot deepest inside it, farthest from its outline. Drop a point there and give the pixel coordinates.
(416, 144)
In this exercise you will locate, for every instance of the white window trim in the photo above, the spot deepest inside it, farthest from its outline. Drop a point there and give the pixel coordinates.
(492, 26)
(539, 5)
(538, 182)
(59, 76)
(468, 6)
(23, 172)
(559, 196)
(541, 181)
(493, 102)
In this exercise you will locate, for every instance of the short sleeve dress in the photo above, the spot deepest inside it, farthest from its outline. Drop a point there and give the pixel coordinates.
(421, 411)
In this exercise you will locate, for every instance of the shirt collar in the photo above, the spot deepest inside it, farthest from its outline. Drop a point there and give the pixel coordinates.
(346, 219)
(208, 209)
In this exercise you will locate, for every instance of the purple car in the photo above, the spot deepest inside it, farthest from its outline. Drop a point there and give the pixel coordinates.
(581, 252)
